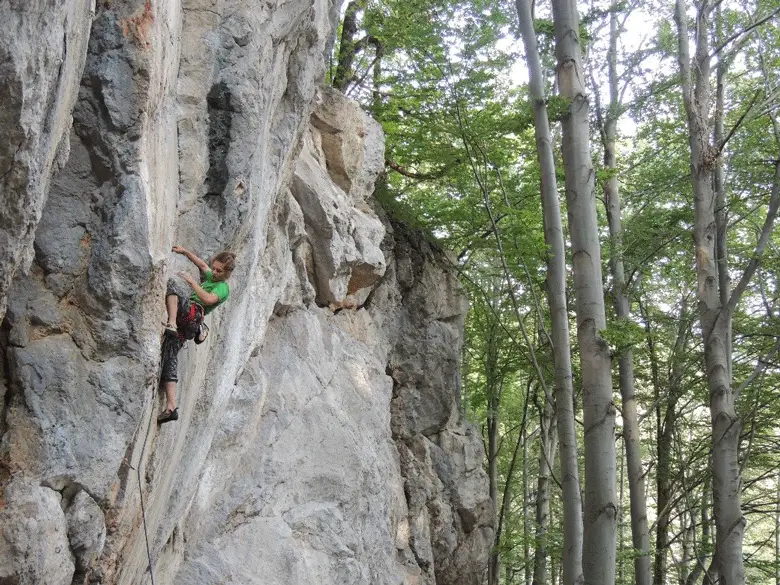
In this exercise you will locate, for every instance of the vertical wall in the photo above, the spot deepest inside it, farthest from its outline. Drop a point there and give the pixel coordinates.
(318, 438)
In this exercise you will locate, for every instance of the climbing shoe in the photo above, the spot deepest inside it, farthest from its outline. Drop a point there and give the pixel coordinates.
(168, 415)
(171, 329)
(203, 333)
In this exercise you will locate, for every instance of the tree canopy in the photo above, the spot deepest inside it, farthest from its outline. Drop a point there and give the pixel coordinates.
(682, 133)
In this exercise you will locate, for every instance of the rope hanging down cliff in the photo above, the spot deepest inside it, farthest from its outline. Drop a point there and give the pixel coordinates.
(140, 486)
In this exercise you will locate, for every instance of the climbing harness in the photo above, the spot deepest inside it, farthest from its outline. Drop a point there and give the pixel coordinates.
(189, 325)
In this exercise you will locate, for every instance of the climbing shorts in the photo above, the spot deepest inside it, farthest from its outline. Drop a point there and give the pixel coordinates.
(189, 315)
(171, 346)
(189, 321)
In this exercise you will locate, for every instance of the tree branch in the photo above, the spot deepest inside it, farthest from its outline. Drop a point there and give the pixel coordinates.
(763, 362)
(511, 471)
(763, 239)
(738, 122)
(683, 52)
(419, 176)
(738, 34)
(359, 82)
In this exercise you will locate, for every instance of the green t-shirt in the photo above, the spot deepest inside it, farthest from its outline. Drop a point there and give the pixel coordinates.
(219, 288)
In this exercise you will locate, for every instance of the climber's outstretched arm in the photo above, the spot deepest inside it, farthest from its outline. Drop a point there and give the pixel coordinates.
(201, 264)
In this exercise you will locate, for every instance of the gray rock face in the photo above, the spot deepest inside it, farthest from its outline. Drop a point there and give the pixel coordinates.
(33, 536)
(318, 438)
(41, 61)
(307, 498)
(343, 232)
(86, 531)
(450, 520)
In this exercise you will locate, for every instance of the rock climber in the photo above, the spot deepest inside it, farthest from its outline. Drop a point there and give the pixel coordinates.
(185, 316)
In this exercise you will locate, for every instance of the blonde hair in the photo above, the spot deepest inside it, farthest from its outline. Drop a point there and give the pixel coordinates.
(227, 259)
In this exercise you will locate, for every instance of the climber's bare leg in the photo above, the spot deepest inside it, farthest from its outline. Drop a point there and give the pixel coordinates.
(172, 306)
(170, 395)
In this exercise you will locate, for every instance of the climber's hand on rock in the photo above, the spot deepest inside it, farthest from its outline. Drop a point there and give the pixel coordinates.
(179, 250)
(186, 277)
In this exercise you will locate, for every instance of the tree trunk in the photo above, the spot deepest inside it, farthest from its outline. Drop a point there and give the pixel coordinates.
(376, 94)
(777, 533)
(687, 539)
(621, 482)
(556, 298)
(663, 491)
(706, 539)
(706, 536)
(547, 447)
(666, 397)
(493, 563)
(719, 179)
(506, 497)
(554, 567)
(526, 521)
(714, 316)
(598, 408)
(346, 47)
(493, 384)
(704, 545)
(663, 454)
(640, 533)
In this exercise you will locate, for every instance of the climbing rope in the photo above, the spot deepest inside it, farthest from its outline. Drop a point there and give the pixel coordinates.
(143, 509)
(141, 458)
(143, 514)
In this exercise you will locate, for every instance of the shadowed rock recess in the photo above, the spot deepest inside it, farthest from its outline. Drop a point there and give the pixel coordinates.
(319, 439)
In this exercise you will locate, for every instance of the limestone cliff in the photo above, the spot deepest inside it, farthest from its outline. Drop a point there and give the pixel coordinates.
(319, 439)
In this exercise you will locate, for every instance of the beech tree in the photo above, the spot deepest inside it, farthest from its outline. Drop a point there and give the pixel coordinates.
(556, 298)
(600, 502)
(607, 118)
(717, 304)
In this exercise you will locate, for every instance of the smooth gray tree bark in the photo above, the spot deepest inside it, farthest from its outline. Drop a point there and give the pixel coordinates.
(527, 566)
(715, 322)
(640, 533)
(494, 404)
(556, 298)
(777, 532)
(600, 502)
(715, 315)
(547, 447)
